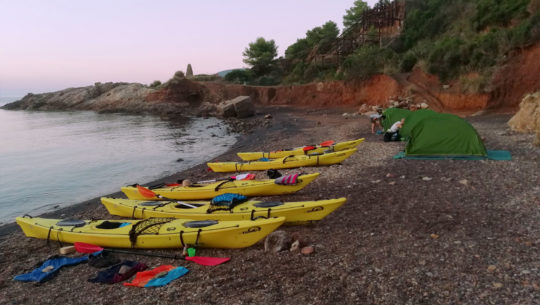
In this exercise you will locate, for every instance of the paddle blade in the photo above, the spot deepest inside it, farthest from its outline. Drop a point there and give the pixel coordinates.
(327, 143)
(207, 261)
(86, 248)
(146, 192)
(308, 148)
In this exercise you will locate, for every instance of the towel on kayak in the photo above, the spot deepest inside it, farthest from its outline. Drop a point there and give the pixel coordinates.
(118, 273)
(49, 268)
(246, 176)
(287, 179)
(157, 277)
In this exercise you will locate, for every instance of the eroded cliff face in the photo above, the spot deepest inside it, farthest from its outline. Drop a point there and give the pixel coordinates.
(377, 91)
(520, 76)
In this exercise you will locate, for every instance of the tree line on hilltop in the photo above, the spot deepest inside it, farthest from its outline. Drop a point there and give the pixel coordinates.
(449, 39)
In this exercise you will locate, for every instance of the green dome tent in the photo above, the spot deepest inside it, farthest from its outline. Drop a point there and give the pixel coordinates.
(436, 134)
(392, 115)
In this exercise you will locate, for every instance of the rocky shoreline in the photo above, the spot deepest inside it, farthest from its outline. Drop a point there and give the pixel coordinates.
(412, 232)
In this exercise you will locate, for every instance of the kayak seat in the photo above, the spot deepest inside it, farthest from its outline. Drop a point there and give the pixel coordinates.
(71, 223)
(110, 225)
(184, 206)
(267, 204)
(150, 203)
(199, 223)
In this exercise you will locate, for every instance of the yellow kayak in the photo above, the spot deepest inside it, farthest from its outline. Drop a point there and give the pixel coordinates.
(251, 156)
(286, 162)
(294, 212)
(152, 232)
(250, 188)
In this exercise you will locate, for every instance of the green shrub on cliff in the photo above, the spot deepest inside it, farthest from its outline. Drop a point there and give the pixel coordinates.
(239, 76)
(368, 61)
(321, 37)
(498, 12)
(453, 39)
(155, 84)
(354, 14)
(205, 77)
(450, 39)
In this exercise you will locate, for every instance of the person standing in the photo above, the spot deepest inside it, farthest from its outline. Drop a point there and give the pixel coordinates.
(376, 120)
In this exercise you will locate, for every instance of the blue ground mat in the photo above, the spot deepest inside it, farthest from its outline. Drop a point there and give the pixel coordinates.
(499, 155)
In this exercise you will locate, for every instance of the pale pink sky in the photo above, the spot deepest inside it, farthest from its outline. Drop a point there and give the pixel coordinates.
(51, 45)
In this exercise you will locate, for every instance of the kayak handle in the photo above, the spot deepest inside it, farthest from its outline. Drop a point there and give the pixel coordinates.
(260, 217)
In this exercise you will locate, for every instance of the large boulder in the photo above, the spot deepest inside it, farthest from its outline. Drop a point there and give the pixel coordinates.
(527, 119)
(240, 107)
(226, 110)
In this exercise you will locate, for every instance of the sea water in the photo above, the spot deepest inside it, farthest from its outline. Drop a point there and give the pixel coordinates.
(54, 159)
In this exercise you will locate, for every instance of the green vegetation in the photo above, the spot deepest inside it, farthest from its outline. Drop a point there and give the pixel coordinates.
(354, 14)
(451, 39)
(239, 76)
(179, 74)
(498, 12)
(155, 84)
(368, 61)
(205, 77)
(318, 41)
(261, 56)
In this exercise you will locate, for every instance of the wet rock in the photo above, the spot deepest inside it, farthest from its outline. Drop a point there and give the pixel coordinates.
(240, 107)
(244, 106)
(277, 241)
(206, 109)
(226, 110)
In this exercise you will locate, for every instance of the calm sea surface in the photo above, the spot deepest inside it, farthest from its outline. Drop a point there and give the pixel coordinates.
(54, 159)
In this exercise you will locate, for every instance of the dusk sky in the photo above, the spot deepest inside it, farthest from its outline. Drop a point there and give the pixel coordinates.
(52, 45)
